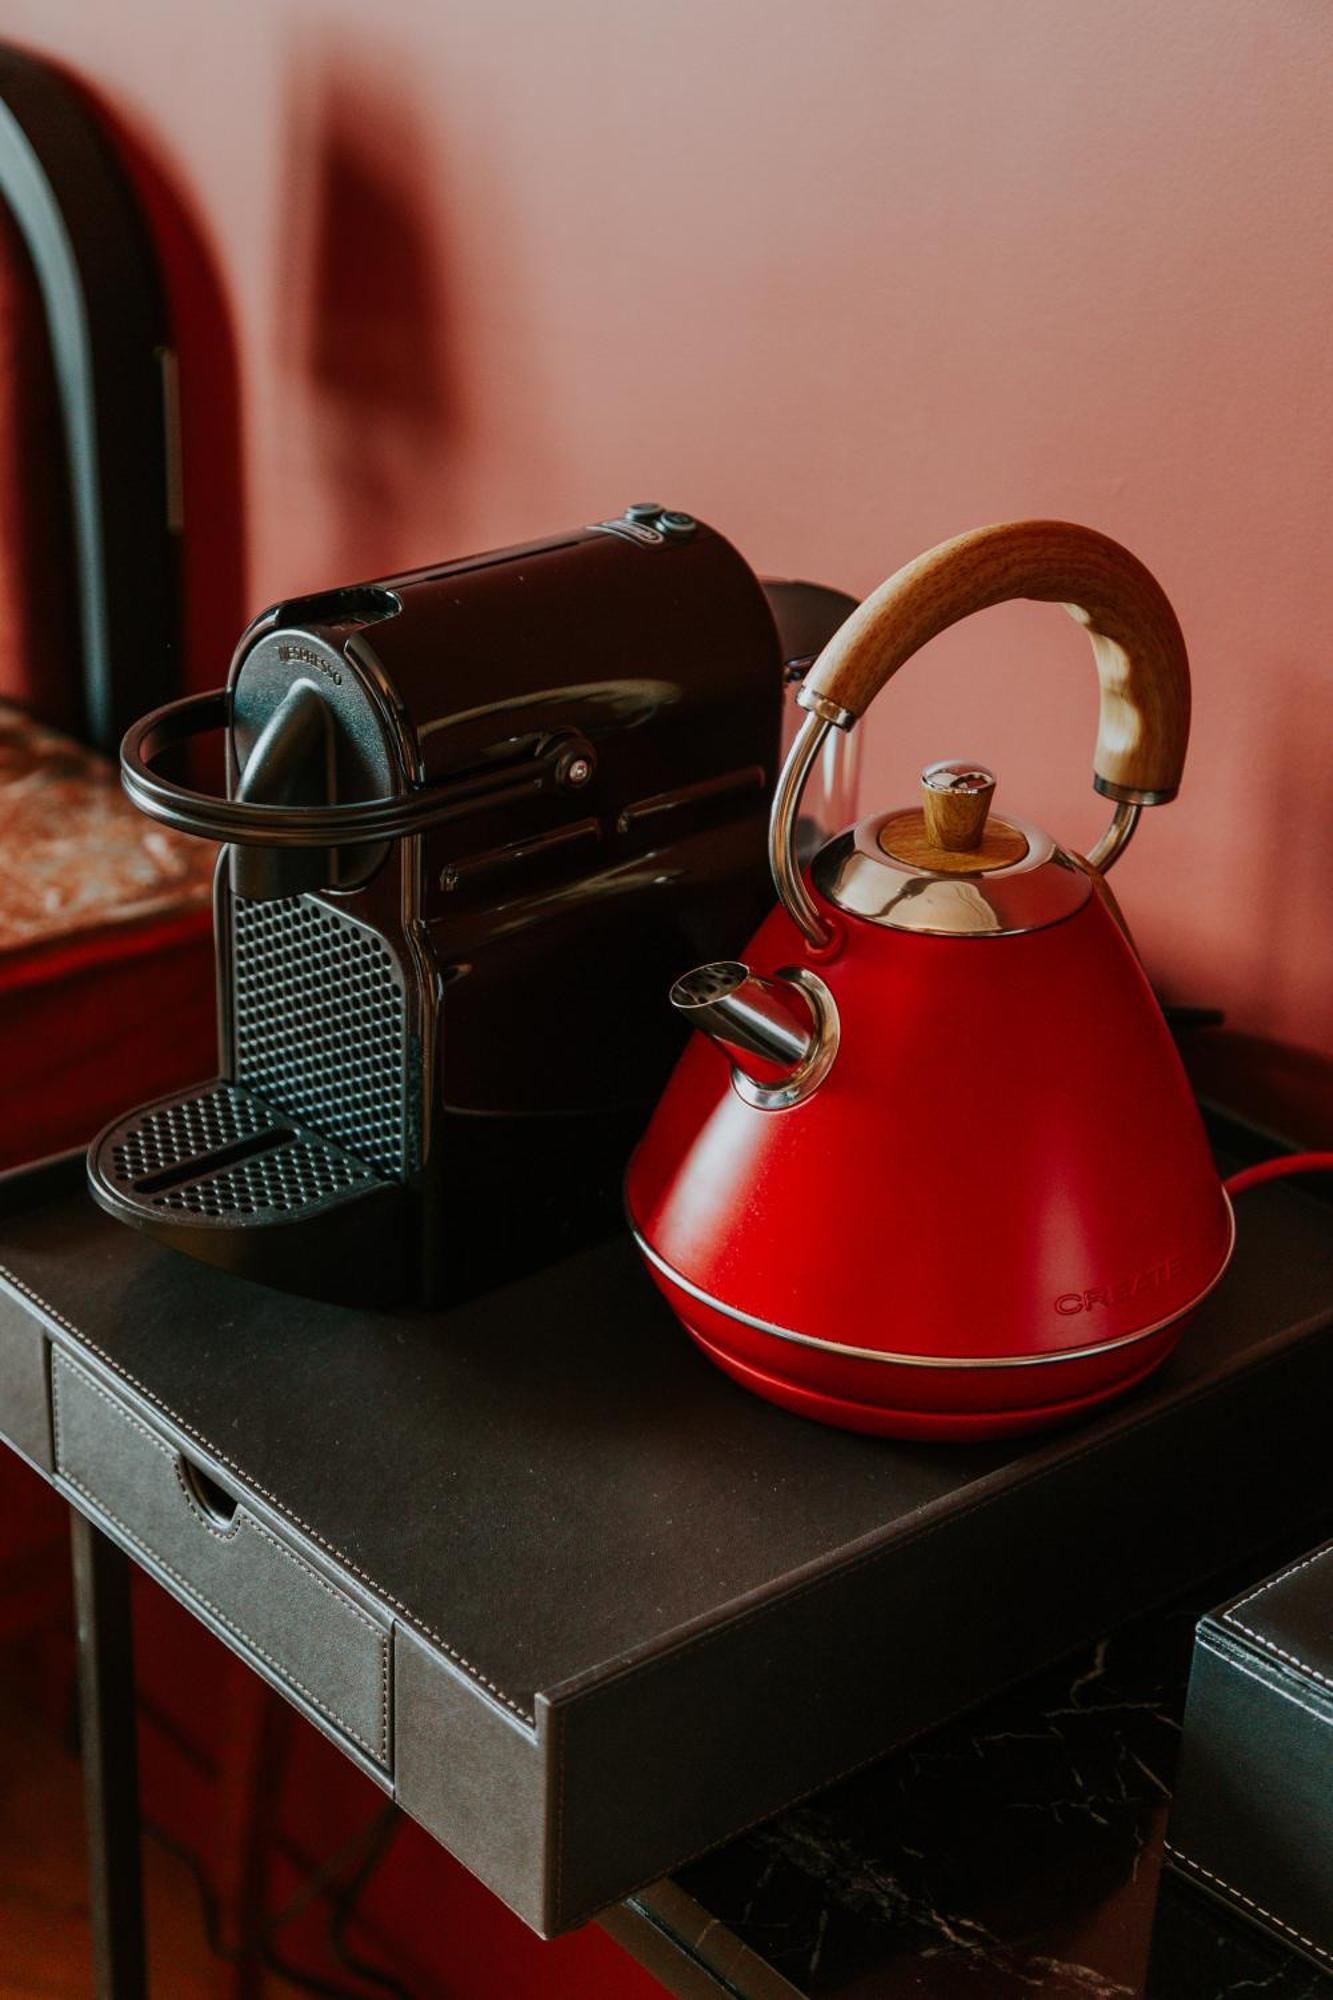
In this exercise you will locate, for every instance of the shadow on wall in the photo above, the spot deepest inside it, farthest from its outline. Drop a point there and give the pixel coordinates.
(1273, 763)
(1297, 831)
(365, 318)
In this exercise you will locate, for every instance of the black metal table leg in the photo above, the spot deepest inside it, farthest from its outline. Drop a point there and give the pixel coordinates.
(110, 1762)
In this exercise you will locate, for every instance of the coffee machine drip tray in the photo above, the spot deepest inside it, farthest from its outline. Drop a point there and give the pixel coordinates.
(225, 1174)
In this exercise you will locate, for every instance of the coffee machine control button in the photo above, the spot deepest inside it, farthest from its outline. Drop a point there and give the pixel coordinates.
(650, 524)
(676, 527)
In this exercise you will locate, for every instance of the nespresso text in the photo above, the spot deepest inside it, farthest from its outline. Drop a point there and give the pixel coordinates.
(307, 657)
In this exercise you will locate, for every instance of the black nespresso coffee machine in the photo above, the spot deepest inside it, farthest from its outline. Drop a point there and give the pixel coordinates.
(476, 818)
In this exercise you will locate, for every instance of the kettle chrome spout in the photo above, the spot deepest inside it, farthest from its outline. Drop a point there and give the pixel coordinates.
(765, 1026)
(780, 1035)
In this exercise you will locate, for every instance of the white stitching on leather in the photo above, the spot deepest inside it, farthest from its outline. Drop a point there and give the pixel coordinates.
(1292, 1659)
(1188, 1861)
(1283, 1694)
(343, 1602)
(1259, 1638)
(426, 1631)
(192, 1591)
(1272, 1582)
(340, 1597)
(644, 1669)
(526, 1715)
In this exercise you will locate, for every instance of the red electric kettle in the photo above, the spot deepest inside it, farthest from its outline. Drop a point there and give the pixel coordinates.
(932, 1168)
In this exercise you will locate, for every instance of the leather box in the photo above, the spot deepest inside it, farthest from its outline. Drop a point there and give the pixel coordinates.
(1253, 1816)
(580, 1604)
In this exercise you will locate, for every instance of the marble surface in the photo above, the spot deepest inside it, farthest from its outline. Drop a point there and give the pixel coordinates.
(1017, 1851)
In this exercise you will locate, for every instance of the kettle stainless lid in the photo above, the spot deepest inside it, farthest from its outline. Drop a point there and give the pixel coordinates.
(950, 868)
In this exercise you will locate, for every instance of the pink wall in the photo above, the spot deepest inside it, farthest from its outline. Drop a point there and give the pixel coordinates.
(843, 278)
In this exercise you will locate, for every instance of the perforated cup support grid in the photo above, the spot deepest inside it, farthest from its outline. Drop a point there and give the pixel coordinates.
(226, 1176)
(224, 1157)
(297, 1167)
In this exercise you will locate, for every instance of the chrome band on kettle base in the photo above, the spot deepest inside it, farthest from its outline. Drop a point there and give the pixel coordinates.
(1044, 1358)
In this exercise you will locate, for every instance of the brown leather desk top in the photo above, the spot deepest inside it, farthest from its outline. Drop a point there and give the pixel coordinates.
(631, 1608)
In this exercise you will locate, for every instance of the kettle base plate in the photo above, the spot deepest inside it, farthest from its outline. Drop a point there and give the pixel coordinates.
(941, 1426)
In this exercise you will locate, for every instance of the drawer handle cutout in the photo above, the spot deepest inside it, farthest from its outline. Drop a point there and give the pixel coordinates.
(215, 1505)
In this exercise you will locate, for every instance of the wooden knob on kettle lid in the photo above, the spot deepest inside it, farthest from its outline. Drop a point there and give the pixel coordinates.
(955, 799)
(954, 832)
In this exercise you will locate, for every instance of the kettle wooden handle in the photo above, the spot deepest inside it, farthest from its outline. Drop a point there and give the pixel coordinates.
(1141, 660)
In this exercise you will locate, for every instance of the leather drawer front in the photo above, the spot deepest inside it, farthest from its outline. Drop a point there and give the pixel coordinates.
(273, 1604)
(23, 1413)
